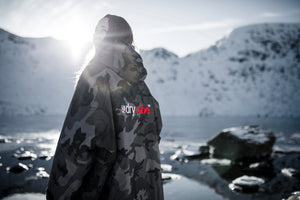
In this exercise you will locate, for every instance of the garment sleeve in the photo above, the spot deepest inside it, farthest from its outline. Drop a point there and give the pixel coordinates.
(87, 140)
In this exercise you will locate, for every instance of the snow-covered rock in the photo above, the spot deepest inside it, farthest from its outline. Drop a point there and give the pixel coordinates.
(190, 152)
(42, 174)
(214, 161)
(239, 143)
(26, 155)
(246, 184)
(26, 196)
(166, 167)
(18, 168)
(294, 196)
(179, 155)
(290, 172)
(169, 176)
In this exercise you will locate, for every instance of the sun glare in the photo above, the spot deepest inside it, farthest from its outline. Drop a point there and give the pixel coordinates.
(76, 37)
(76, 46)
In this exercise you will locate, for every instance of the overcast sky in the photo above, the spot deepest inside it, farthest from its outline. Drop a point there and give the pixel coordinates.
(180, 26)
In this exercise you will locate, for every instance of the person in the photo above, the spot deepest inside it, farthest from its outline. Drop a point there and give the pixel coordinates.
(109, 143)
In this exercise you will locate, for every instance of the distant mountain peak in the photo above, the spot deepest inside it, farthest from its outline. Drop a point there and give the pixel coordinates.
(161, 52)
(263, 34)
(253, 71)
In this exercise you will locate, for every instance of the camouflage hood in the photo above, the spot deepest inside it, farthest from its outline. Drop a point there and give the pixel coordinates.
(122, 59)
(109, 144)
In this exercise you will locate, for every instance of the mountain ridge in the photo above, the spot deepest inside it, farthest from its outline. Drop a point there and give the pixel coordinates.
(253, 71)
(246, 64)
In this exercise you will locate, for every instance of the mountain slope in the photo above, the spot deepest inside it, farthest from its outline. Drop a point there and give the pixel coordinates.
(36, 75)
(255, 70)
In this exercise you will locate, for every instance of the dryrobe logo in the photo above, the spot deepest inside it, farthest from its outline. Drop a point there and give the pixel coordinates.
(128, 109)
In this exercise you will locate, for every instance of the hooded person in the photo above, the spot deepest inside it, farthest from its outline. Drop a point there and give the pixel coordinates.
(109, 143)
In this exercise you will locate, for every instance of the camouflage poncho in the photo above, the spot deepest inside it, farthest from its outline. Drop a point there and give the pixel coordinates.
(108, 147)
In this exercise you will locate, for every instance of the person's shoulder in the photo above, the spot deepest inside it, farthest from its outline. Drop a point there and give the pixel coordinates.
(93, 75)
(95, 69)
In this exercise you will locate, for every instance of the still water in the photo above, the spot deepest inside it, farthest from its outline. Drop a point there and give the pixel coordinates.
(39, 134)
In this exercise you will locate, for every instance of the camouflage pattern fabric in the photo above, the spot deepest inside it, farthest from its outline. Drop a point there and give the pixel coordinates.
(104, 152)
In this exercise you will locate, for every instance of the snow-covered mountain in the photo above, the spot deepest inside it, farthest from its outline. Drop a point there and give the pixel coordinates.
(36, 74)
(255, 70)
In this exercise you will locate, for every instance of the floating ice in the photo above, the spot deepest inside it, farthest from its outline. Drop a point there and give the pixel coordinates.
(214, 161)
(166, 167)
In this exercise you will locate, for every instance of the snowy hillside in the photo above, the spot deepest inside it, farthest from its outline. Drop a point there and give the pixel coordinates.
(255, 70)
(36, 75)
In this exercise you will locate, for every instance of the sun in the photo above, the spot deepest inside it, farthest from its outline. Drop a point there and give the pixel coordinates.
(76, 37)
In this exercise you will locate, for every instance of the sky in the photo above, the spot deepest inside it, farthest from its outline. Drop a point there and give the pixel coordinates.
(181, 26)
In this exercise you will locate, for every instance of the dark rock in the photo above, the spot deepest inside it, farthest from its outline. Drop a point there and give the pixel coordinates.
(261, 165)
(45, 157)
(264, 168)
(243, 143)
(17, 168)
(204, 149)
(5, 140)
(195, 151)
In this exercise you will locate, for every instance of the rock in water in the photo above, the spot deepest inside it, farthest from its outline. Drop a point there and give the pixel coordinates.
(196, 151)
(27, 155)
(246, 184)
(169, 176)
(42, 174)
(178, 155)
(264, 168)
(291, 172)
(213, 161)
(5, 140)
(191, 152)
(238, 143)
(294, 196)
(44, 157)
(18, 168)
(166, 167)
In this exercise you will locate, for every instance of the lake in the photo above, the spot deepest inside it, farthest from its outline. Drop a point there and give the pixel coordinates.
(39, 134)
